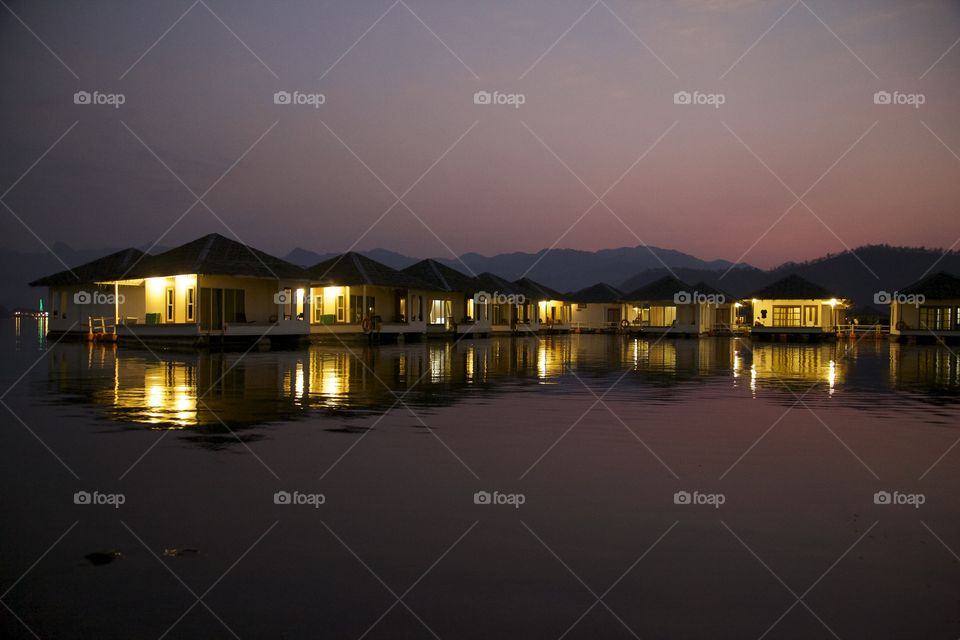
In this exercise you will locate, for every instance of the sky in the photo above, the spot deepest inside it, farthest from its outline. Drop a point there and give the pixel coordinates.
(784, 151)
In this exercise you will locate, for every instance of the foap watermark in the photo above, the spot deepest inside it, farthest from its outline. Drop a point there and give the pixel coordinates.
(299, 98)
(885, 297)
(485, 297)
(896, 498)
(97, 297)
(699, 98)
(99, 499)
(697, 297)
(512, 499)
(283, 297)
(702, 499)
(899, 98)
(299, 499)
(99, 98)
(514, 100)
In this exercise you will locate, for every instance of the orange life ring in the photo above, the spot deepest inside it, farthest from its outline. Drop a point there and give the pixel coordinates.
(901, 325)
(624, 323)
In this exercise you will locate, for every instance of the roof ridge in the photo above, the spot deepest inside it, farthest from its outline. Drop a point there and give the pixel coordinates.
(205, 251)
(443, 280)
(356, 262)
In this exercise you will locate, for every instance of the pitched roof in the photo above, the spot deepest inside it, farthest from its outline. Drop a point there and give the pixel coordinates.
(105, 268)
(442, 278)
(535, 290)
(939, 286)
(214, 254)
(352, 269)
(793, 287)
(704, 287)
(598, 293)
(492, 283)
(664, 288)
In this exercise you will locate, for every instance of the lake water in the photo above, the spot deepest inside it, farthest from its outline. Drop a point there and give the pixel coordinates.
(675, 489)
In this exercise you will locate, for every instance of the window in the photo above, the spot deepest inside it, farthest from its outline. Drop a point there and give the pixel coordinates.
(439, 310)
(613, 316)
(191, 303)
(786, 316)
(581, 307)
(499, 315)
(318, 308)
(168, 306)
(810, 315)
(341, 309)
(936, 318)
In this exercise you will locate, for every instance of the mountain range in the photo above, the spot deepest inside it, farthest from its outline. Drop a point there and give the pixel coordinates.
(858, 274)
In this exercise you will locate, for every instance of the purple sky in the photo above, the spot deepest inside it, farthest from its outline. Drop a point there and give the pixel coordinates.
(800, 101)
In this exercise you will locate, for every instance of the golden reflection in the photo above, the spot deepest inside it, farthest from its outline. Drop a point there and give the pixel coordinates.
(201, 389)
(807, 364)
(924, 366)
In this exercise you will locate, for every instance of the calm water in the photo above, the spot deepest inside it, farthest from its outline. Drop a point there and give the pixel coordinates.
(783, 446)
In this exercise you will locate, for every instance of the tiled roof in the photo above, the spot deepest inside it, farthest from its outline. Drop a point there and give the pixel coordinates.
(105, 268)
(598, 293)
(443, 278)
(939, 286)
(352, 269)
(664, 288)
(214, 254)
(793, 287)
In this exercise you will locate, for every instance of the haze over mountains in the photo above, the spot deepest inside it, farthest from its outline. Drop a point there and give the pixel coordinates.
(873, 268)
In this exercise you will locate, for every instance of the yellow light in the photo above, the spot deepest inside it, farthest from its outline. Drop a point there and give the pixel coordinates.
(833, 302)
(754, 301)
(737, 304)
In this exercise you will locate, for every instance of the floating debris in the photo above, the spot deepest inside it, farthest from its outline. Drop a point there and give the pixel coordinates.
(175, 553)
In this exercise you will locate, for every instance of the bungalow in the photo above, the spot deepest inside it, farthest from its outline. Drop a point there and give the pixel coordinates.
(212, 289)
(596, 308)
(796, 306)
(551, 312)
(77, 295)
(454, 308)
(354, 294)
(929, 308)
(662, 307)
(508, 307)
(714, 310)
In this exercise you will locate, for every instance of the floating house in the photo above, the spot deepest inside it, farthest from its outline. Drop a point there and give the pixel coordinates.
(794, 306)
(715, 310)
(928, 309)
(354, 294)
(454, 308)
(78, 295)
(508, 307)
(550, 311)
(596, 308)
(660, 307)
(212, 289)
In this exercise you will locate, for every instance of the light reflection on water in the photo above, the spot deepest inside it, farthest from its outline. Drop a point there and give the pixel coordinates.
(180, 390)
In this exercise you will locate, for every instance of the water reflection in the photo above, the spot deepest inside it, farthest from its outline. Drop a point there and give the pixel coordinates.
(794, 367)
(213, 391)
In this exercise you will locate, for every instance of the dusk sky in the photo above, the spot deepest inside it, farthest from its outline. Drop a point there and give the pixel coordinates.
(798, 118)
